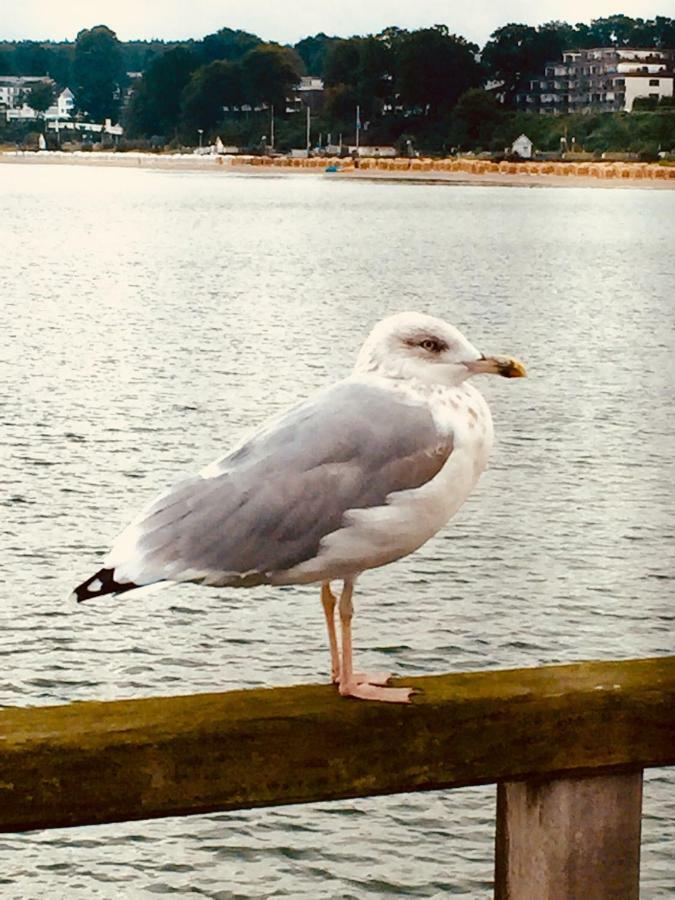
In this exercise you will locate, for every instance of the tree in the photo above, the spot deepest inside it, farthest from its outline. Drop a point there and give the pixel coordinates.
(229, 44)
(341, 64)
(434, 68)
(59, 64)
(7, 62)
(508, 56)
(211, 88)
(358, 71)
(374, 75)
(313, 52)
(269, 73)
(551, 40)
(98, 73)
(40, 97)
(30, 58)
(475, 118)
(664, 33)
(339, 104)
(155, 103)
(612, 31)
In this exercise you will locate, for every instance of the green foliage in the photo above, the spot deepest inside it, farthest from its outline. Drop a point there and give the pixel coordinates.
(313, 52)
(31, 58)
(15, 131)
(340, 104)
(60, 64)
(268, 74)
(357, 71)
(434, 68)
(645, 103)
(210, 89)
(7, 62)
(475, 119)
(342, 63)
(40, 97)
(155, 104)
(228, 44)
(649, 153)
(98, 73)
(31, 140)
(34, 58)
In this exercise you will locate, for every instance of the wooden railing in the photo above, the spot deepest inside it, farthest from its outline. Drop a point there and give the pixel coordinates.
(566, 744)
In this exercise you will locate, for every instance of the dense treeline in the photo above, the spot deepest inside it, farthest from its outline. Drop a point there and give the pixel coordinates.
(425, 86)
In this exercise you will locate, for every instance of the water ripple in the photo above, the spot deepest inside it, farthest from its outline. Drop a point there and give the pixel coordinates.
(194, 307)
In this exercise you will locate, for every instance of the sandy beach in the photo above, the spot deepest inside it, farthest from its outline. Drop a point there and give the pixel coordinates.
(459, 172)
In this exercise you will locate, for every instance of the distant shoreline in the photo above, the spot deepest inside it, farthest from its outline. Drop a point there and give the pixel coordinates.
(626, 175)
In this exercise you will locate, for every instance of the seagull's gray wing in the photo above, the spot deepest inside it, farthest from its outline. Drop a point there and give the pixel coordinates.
(266, 506)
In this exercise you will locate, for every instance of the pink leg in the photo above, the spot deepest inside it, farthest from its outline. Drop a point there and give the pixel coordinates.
(350, 686)
(328, 602)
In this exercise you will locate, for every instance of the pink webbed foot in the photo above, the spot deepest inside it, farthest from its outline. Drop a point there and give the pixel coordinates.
(374, 692)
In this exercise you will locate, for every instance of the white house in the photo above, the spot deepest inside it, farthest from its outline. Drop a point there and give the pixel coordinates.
(310, 92)
(24, 113)
(63, 108)
(522, 147)
(70, 127)
(15, 88)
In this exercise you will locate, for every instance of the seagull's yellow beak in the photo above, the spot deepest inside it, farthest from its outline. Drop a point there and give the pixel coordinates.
(506, 366)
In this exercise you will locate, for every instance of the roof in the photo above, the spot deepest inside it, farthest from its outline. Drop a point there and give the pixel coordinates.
(665, 75)
(19, 80)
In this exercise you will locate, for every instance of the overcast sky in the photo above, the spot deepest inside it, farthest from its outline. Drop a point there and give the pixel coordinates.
(287, 21)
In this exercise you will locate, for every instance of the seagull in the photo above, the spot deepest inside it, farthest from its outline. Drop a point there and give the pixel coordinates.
(362, 473)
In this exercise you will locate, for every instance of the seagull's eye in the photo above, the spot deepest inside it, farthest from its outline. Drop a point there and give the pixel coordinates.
(431, 345)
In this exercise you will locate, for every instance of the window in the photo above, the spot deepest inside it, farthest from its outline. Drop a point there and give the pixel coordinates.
(654, 82)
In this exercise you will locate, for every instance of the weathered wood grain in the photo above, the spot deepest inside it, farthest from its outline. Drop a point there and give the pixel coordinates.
(569, 839)
(134, 759)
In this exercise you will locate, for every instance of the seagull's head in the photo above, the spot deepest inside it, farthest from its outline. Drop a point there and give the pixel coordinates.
(423, 348)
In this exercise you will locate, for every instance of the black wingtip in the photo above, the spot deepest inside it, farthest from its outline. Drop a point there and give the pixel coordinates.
(100, 584)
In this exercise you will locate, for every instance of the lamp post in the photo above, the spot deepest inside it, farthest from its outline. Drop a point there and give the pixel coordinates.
(200, 131)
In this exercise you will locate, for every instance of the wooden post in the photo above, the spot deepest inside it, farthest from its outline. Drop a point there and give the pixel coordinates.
(569, 838)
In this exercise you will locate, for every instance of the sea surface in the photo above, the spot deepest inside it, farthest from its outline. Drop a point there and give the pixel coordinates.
(147, 318)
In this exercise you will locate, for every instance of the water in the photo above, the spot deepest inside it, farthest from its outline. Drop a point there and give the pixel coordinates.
(148, 317)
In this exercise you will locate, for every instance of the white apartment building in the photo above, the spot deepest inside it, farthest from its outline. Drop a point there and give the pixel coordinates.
(600, 79)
